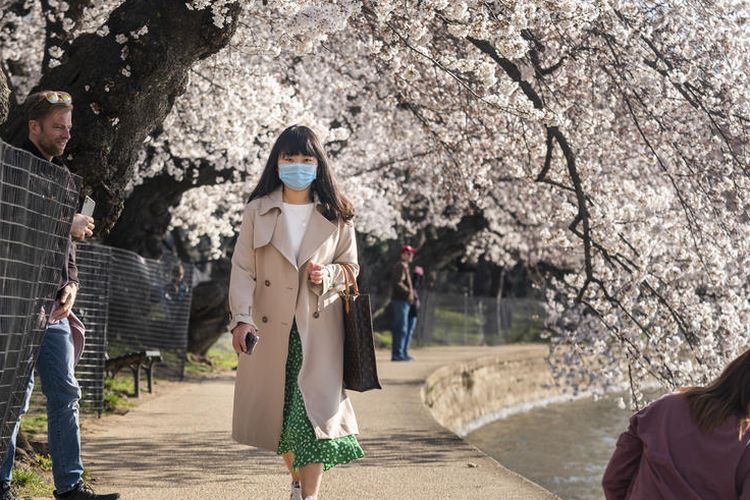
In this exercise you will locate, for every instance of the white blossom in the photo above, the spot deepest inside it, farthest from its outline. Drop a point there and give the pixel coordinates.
(426, 122)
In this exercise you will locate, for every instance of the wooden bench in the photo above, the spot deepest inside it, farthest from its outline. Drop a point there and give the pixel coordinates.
(135, 361)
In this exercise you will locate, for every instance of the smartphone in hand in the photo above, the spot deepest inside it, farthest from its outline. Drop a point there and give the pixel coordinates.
(88, 207)
(250, 341)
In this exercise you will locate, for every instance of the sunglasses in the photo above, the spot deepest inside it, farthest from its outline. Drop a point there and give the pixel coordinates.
(57, 97)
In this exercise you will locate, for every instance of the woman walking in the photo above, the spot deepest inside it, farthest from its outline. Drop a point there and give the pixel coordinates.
(688, 445)
(286, 277)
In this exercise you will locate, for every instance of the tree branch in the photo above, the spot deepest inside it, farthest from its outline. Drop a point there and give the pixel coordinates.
(147, 214)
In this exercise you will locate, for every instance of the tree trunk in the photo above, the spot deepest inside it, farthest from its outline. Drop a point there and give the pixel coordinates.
(118, 104)
(145, 220)
(209, 316)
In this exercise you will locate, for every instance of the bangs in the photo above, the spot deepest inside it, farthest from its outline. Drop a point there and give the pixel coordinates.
(297, 141)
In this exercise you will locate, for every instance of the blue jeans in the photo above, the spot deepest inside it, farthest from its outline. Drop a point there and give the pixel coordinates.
(56, 364)
(400, 328)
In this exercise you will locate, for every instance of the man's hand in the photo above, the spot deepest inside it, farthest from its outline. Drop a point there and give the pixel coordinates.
(316, 273)
(67, 299)
(83, 227)
(238, 336)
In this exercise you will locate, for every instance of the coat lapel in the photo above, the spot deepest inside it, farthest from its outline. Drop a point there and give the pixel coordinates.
(281, 240)
(271, 226)
(318, 231)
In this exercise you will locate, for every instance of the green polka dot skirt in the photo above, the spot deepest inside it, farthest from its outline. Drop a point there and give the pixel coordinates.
(297, 433)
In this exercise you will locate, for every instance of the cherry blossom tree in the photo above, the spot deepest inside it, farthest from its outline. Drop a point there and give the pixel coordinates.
(604, 137)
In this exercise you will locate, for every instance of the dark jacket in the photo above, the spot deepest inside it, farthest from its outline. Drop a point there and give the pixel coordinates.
(664, 454)
(417, 280)
(401, 281)
(69, 271)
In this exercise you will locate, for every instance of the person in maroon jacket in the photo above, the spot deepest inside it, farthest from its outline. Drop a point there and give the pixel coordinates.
(688, 445)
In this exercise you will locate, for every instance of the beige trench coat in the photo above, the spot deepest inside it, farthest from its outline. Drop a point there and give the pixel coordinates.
(269, 288)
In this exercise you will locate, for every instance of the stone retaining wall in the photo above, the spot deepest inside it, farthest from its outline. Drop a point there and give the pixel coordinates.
(464, 396)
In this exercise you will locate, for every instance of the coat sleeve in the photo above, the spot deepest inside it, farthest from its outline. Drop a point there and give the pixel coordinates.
(346, 253)
(623, 466)
(242, 278)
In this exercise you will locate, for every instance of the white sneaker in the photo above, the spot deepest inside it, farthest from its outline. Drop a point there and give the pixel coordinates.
(296, 491)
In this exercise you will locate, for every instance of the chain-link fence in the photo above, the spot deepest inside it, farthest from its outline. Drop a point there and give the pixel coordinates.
(463, 319)
(129, 303)
(470, 320)
(92, 307)
(37, 202)
(149, 307)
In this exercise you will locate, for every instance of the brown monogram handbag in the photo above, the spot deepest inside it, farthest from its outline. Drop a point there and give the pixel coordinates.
(360, 366)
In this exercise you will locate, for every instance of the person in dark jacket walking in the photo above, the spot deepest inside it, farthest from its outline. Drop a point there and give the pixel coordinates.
(49, 116)
(402, 298)
(689, 445)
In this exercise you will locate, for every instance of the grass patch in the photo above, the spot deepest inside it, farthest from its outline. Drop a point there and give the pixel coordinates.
(45, 462)
(122, 383)
(454, 328)
(30, 482)
(223, 360)
(383, 339)
(33, 424)
(456, 319)
(117, 393)
(217, 360)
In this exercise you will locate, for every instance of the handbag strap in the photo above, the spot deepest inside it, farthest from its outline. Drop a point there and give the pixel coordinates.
(349, 282)
(349, 278)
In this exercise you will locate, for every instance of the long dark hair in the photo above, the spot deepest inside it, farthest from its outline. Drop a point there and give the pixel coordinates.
(299, 139)
(728, 395)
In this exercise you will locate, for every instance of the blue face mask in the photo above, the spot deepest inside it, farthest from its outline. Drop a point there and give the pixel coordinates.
(297, 176)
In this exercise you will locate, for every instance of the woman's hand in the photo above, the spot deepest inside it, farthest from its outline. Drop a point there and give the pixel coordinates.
(238, 336)
(315, 272)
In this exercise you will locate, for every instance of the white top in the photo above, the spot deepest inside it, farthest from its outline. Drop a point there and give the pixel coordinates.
(297, 218)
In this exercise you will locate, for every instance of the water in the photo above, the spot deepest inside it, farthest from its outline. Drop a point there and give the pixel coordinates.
(564, 447)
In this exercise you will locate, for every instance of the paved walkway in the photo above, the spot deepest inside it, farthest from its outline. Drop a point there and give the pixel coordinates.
(178, 446)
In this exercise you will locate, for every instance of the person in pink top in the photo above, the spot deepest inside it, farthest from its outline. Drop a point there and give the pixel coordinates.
(691, 444)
